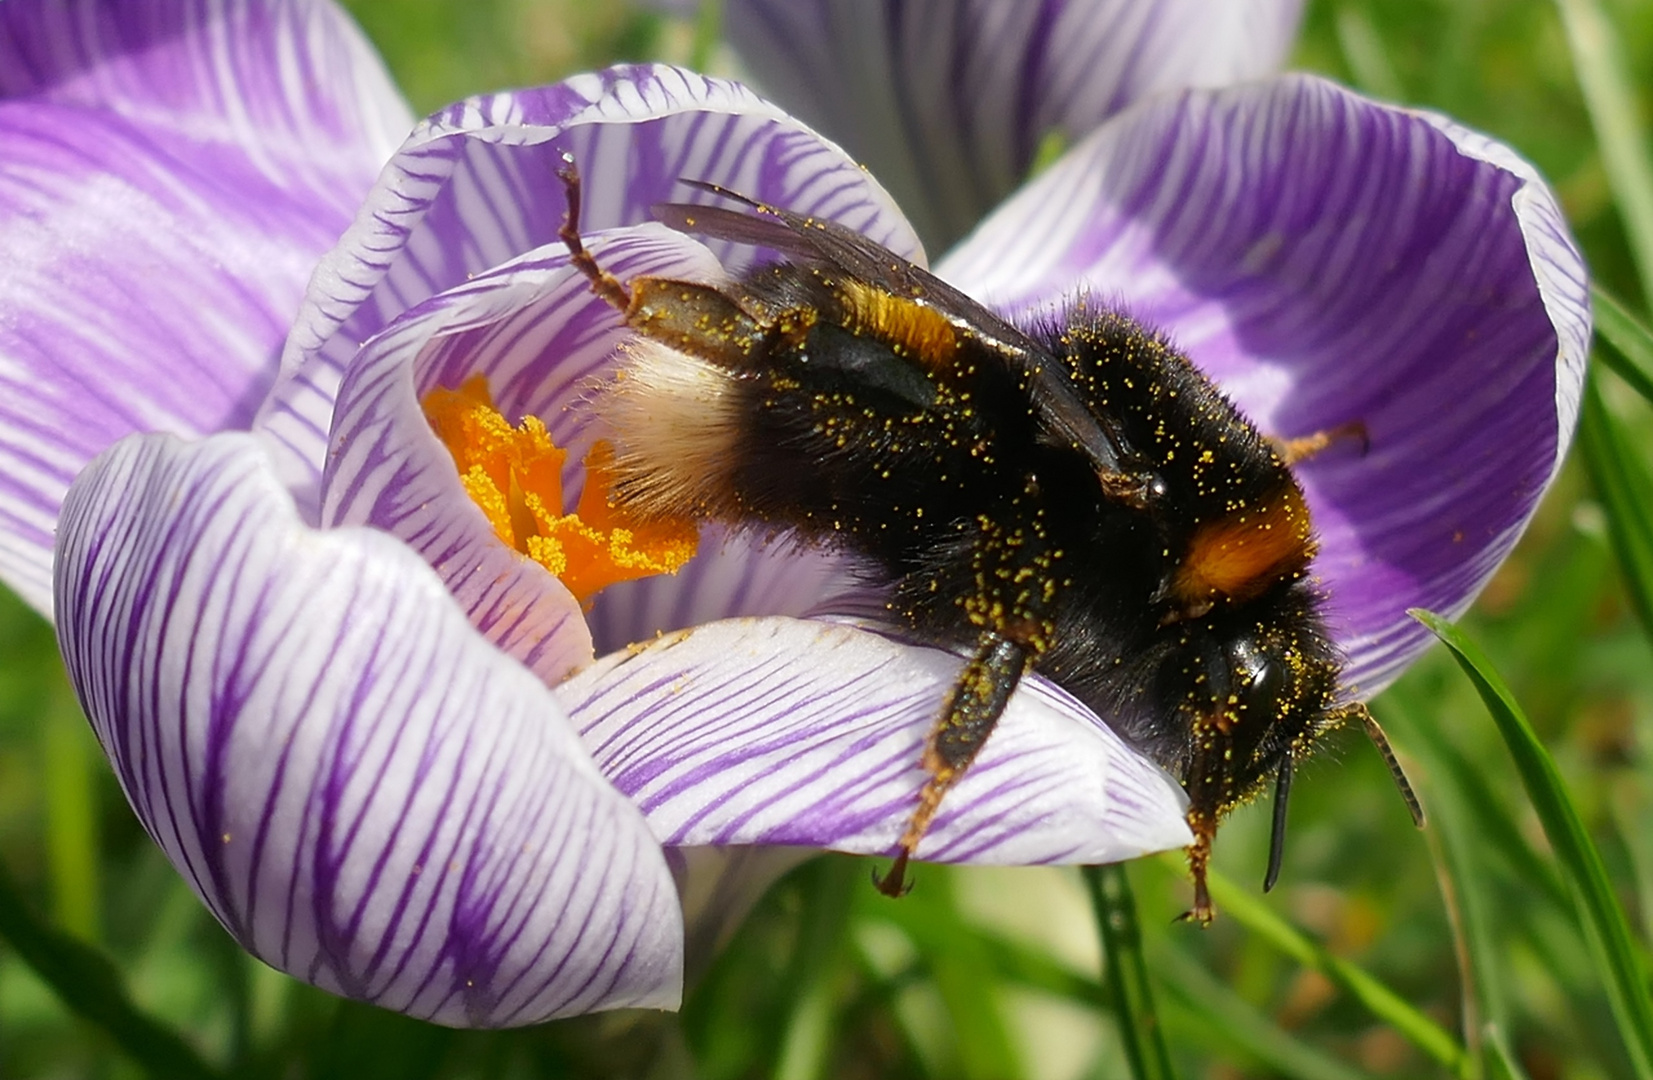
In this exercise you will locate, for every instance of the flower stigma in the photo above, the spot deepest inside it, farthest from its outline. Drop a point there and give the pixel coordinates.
(514, 474)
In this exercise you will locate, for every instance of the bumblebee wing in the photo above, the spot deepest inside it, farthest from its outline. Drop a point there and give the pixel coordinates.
(822, 242)
(740, 228)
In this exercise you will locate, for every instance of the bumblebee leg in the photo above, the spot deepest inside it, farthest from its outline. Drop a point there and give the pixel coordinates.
(973, 708)
(1138, 490)
(1207, 775)
(603, 283)
(1292, 451)
(1381, 741)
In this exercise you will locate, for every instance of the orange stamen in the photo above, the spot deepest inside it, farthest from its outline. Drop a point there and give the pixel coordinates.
(515, 475)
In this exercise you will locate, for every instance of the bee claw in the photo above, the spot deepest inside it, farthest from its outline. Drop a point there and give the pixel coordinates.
(894, 884)
(1202, 914)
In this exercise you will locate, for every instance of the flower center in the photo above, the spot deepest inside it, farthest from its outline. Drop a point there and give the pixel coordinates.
(515, 475)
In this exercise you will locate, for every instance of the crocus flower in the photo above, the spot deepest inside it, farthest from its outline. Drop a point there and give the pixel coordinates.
(400, 759)
(947, 103)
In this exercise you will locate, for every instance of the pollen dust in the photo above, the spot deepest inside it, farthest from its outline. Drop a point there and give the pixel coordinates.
(514, 473)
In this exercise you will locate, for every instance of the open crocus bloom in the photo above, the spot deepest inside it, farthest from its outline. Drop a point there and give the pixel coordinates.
(400, 760)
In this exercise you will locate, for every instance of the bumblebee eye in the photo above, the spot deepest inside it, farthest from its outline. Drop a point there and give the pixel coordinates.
(1259, 679)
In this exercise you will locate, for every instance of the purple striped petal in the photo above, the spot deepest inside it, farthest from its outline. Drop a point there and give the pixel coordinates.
(544, 342)
(1329, 259)
(172, 172)
(734, 574)
(290, 88)
(363, 791)
(475, 186)
(947, 100)
(796, 732)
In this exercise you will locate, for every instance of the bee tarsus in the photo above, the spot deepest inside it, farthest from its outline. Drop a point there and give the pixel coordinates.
(1306, 447)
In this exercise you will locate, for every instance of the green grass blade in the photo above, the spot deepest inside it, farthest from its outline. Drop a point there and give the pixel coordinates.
(1457, 847)
(1490, 823)
(961, 968)
(1502, 1063)
(1228, 1016)
(807, 1039)
(1365, 53)
(708, 30)
(1023, 965)
(365, 1042)
(1187, 986)
(72, 765)
(1606, 932)
(1629, 352)
(89, 984)
(1610, 97)
(1127, 974)
(1626, 495)
(1239, 904)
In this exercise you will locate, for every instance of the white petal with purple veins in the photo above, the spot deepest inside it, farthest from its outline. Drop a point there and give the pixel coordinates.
(798, 732)
(364, 792)
(1329, 260)
(290, 87)
(534, 329)
(476, 185)
(947, 100)
(172, 172)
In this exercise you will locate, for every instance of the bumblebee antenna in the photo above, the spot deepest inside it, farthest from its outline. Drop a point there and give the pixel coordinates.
(1381, 741)
(1277, 837)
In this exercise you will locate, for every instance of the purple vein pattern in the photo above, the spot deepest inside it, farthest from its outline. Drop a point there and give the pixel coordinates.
(947, 100)
(379, 746)
(172, 172)
(475, 186)
(1327, 260)
(721, 738)
(365, 793)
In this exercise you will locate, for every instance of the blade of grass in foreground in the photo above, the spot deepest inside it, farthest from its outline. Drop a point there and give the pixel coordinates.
(1457, 848)
(1605, 930)
(89, 984)
(1237, 903)
(1490, 822)
(1127, 975)
(1629, 351)
(1626, 495)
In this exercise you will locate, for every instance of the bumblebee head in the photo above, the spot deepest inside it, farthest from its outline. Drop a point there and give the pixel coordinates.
(1259, 687)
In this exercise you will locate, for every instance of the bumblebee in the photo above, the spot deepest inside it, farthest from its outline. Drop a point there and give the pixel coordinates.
(1075, 498)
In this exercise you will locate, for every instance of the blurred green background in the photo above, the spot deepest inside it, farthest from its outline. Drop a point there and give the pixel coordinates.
(1459, 948)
